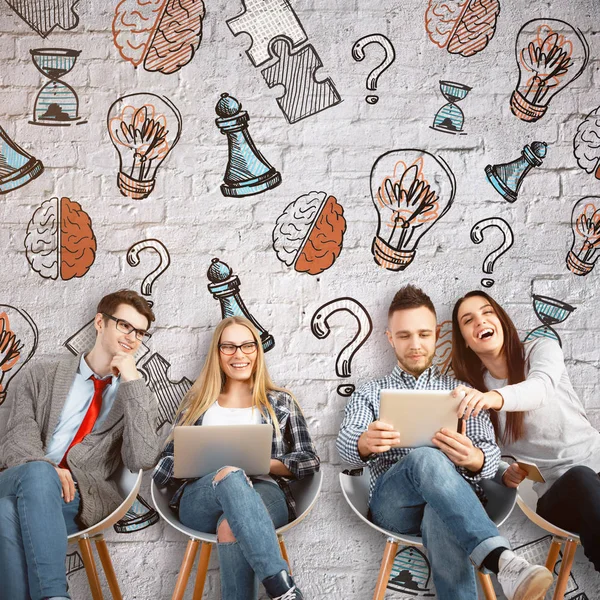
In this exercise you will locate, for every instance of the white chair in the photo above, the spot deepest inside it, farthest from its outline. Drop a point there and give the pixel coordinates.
(527, 501)
(305, 492)
(129, 486)
(501, 501)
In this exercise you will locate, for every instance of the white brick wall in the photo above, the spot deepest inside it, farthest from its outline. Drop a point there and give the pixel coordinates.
(333, 555)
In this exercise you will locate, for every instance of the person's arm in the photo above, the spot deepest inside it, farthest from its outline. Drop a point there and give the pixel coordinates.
(163, 473)
(301, 459)
(481, 433)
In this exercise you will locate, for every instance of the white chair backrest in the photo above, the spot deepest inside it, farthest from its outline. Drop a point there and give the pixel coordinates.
(500, 500)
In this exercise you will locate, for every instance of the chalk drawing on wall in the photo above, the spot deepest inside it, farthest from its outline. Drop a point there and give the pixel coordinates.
(248, 172)
(450, 118)
(133, 259)
(507, 178)
(225, 287)
(278, 36)
(550, 312)
(56, 104)
(319, 325)
(550, 55)
(161, 36)
(585, 225)
(443, 349)
(143, 128)
(138, 517)
(60, 241)
(296, 70)
(411, 190)
(308, 236)
(73, 563)
(18, 343)
(358, 54)
(507, 242)
(44, 15)
(462, 26)
(17, 167)
(586, 143)
(411, 573)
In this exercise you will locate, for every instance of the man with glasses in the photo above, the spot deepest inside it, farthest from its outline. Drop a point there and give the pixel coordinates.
(72, 422)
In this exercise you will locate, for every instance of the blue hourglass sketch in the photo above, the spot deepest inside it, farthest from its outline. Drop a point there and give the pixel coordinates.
(450, 117)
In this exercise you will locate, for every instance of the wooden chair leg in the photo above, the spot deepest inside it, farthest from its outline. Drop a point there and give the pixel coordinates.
(486, 585)
(386, 568)
(553, 554)
(205, 551)
(184, 571)
(565, 570)
(107, 565)
(90, 568)
(284, 553)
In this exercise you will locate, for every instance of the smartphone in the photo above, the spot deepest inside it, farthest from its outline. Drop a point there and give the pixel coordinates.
(533, 472)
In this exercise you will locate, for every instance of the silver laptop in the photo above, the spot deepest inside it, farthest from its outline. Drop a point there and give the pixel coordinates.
(418, 414)
(200, 450)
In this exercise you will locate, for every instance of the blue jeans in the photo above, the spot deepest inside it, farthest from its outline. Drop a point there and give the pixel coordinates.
(34, 524)
(424, 494)
(253, 511)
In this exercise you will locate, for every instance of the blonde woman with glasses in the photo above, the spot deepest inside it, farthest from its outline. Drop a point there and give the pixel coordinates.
(234, 387)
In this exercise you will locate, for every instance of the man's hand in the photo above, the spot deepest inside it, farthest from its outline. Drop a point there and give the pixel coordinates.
(67, 484)
(124, 364)
(459, 449)
(513, 476)
(379, 437)
(474, 401)
(278, 468)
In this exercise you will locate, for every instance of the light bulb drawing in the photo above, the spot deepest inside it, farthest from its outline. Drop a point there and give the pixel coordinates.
(411, 190)
(585, 222)
(143, 128)
(18, 343)
(550, 55)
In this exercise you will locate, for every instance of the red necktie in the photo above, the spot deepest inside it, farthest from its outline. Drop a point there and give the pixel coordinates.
(90, 416)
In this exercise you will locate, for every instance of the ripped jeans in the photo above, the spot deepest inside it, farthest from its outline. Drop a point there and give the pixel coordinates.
(253, 511)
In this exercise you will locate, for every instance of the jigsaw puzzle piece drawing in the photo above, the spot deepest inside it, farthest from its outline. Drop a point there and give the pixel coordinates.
(263, 21)
(295, 70)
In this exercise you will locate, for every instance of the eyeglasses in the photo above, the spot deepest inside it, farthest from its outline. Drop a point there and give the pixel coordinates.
(231, 349)
(126, 327)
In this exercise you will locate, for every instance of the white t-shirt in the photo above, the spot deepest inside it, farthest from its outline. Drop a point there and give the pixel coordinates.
(219, 415)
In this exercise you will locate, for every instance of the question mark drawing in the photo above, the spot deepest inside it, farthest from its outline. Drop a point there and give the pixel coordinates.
(492, 257)
(320, 327)
(358, 54)
(133, 258)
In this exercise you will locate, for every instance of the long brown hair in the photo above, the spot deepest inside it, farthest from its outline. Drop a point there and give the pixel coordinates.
(467, 366)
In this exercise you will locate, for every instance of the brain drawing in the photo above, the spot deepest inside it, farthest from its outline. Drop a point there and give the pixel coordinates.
(60, 240)
(309, 233)
(462, 26)
(587, 143)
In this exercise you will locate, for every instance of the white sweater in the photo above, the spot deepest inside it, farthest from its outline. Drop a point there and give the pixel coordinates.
(558, 435)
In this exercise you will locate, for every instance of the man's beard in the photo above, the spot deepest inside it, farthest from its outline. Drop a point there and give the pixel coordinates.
(409, 369)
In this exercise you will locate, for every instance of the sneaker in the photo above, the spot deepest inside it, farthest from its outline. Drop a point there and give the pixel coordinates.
(282, 587)
(521, 580)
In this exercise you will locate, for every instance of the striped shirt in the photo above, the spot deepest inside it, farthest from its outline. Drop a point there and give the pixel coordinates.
(294, 449)
(363, 408)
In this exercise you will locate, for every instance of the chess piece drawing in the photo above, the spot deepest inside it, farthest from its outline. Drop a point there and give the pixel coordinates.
(550, 312)
(248, 172)
(225, 287)
(56, 103)
(17, 167)
(450, 118)
(508, 177)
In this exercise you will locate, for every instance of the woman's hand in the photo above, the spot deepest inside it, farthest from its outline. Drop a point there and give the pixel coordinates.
(513, 476)
(474, 401)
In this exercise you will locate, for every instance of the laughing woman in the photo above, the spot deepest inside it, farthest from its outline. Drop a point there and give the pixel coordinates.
(234, 388)
(538, 417)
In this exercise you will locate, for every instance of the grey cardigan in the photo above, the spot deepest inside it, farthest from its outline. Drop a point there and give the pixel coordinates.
(128, 434)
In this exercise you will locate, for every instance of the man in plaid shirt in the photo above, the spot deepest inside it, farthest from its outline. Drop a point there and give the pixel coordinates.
(433, 491)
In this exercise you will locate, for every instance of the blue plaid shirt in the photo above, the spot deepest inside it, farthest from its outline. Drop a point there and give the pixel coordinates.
(294, 448)
(363, 408)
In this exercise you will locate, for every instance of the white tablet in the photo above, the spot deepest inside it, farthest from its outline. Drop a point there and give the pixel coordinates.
(418, 414)
(201, 450)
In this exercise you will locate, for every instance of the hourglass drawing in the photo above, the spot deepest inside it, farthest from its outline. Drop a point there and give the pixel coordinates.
(450, 117)
(56, 103)
(550, 312)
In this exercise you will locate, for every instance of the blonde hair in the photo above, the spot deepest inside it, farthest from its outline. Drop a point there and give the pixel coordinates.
(211, 381)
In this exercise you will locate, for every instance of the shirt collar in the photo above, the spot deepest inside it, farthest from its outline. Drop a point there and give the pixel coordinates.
(429, 375)
(86, 372)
